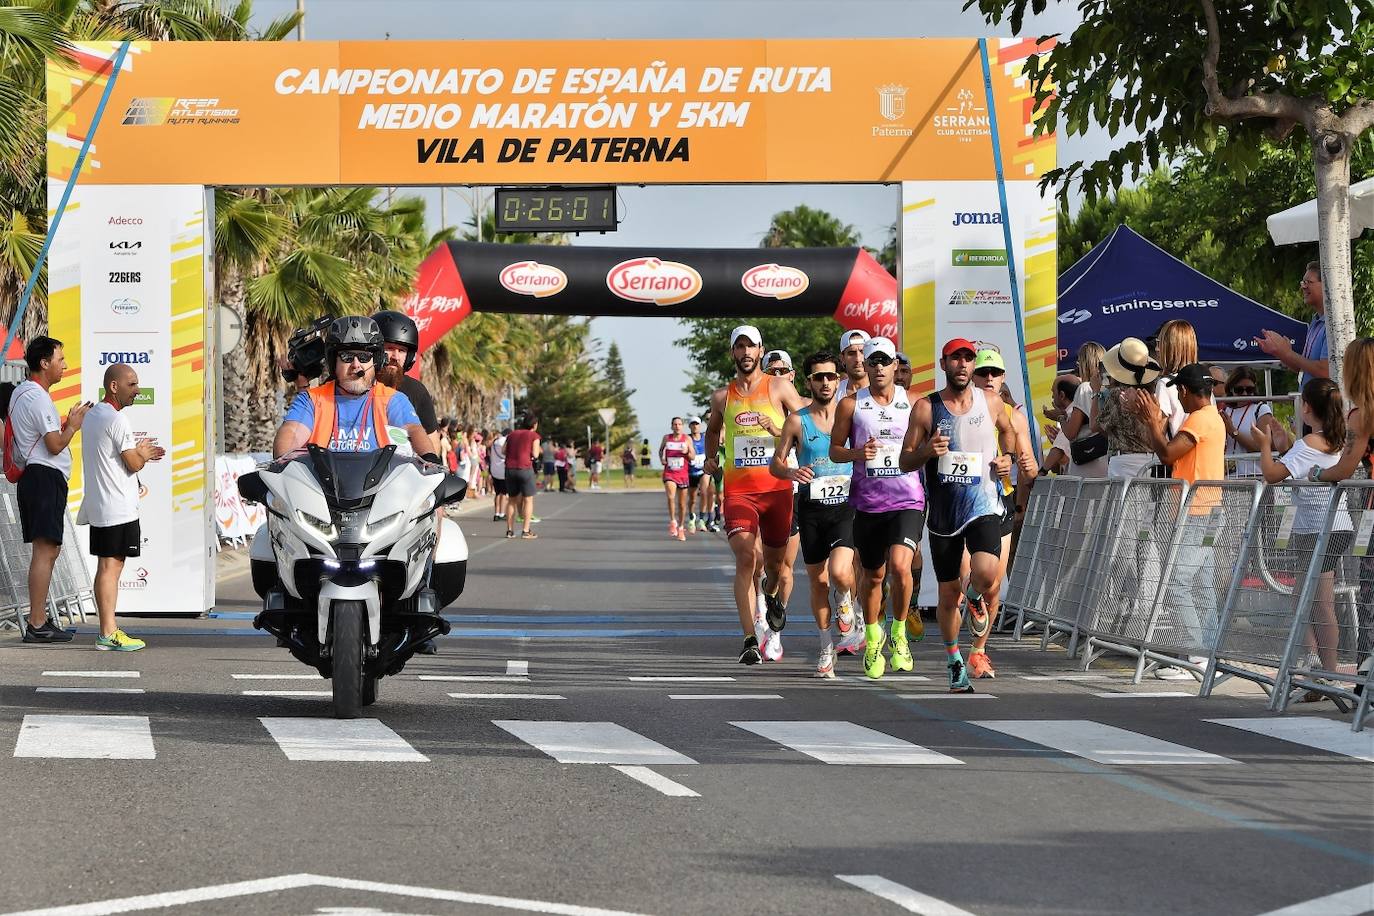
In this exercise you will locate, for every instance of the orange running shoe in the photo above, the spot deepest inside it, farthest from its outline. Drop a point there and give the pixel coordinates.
(980, 665)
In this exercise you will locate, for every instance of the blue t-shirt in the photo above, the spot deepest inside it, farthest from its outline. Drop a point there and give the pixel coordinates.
(1314, 347)
(355, 415)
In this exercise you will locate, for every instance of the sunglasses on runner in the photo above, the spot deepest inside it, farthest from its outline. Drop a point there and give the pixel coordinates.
(779, 370)
(363, 357)
(989, 372)
(824, 376)
(880, 359)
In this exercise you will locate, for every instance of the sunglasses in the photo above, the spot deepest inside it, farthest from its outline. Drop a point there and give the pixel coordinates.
(985, 373)
(350, 358)
(880, 359)
(779, 370)
(1243, 390)
(824, 376)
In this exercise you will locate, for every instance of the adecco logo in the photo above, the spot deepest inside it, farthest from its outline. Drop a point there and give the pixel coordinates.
(774, 281)
(653, 280)
(530, 278)
(126, 307)
(1075, 316)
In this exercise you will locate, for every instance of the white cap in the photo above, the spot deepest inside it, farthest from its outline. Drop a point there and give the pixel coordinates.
(880, 345)
(749, 331)
(696, 420)
(777, 355)
(847, 338)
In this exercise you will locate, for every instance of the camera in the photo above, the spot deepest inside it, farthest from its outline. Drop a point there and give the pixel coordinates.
(305, 350)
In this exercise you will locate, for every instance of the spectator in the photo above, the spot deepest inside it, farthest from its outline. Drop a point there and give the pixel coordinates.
(572, 467)
(644, 454)
(1128, 366)
(549, 462)
(595, 455)
(560, 466)
(1359, 440)
(1078, 424)
(1323, 411)
(1314, 360)
(445, 445)
(1197, 452)
(1242, 419)
(1065, 390)
(40, 445)
(627, 461)
(1177, 347)
(497, 458)
(522, 450)
(110, 462)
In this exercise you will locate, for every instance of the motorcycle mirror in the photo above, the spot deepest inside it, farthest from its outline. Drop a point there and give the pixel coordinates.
(252, 488)
(452, 490)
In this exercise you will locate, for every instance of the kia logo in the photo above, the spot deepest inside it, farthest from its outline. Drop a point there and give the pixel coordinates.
(1076, 316)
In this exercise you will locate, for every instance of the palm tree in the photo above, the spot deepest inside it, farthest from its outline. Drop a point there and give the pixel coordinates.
(803, 227)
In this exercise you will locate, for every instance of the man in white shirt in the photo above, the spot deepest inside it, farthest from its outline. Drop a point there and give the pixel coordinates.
(111, 460)
(40, 441)
(496, 459)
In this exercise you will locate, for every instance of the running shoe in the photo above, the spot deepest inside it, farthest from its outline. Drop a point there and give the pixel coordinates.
(692, 525)
(48, 632)
(915, 626)
(528, 535)
(118, 641)
(874, 663)
(825, 665)
(980, 665)
(672, 529)
(979, 620)
(510, 534)
(775, 612)
(681, 534)
(772, 646)
(750, 655)
(712, 527)
(852, 643)
(958, 676)
(901, 653)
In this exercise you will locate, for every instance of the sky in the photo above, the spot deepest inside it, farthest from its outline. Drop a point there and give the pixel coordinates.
(676, 216)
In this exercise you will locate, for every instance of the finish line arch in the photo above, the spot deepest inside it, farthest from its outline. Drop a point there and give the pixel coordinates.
(131, 270)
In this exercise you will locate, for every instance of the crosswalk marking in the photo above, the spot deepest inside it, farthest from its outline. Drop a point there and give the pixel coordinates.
(91, 674)
(339, 739)
(478, 678)
(277, 677)
(948, 696)
(86, 738)
(1065, 677)
(903, 896)
(1322, 734)
(286, 693)
(89, 690)
(592, 742)
(657, 781)
(506, 696)
(1350, 902)
(517, 666)
(681, 679)
(724, 696)
(1142, 694)
(1102, 743)
(846, 743)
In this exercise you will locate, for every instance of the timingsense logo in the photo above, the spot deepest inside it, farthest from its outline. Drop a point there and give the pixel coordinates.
(150, 111)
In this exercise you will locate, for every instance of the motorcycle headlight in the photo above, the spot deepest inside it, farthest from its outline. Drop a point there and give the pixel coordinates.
(324, 526)
(373, 528)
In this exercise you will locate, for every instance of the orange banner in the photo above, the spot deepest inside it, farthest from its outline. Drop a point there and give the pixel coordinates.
(542, 112)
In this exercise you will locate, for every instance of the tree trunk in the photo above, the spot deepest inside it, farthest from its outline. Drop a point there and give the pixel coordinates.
(1331, 154)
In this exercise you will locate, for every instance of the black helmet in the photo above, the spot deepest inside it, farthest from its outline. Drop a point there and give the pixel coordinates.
(400, 329)
(354, 332)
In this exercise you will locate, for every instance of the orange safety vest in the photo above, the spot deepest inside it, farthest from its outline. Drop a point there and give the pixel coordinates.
(327, 418)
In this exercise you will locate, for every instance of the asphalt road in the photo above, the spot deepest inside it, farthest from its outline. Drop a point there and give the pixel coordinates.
(751, 793)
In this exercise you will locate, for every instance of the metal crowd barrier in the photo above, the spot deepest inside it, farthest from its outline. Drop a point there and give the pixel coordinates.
(1212, 578)
(70, 594)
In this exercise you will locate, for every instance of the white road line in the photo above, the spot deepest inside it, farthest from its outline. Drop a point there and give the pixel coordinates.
(1065, 677)
(86, 738)
(287, 693)
(90, 690)
(724, 696)
(592, 742)
(903, 896)
(478, 678)
(947, 696)
(1102, 743)
(91, 674)
(1322, 734)
(682, 679)
(846, 743)
(293, 882)
(657, 781)
(506, 696)
(1351, 902)
(1143, 694)
(277, 677)
(517, 666)
(339, 739)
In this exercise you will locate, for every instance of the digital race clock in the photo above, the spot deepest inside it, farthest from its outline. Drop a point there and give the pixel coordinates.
(555, 209)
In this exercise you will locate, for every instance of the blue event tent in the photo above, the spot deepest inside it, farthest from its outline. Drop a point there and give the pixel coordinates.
(1127, 287)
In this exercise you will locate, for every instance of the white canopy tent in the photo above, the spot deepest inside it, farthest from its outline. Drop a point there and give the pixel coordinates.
(1299, 224)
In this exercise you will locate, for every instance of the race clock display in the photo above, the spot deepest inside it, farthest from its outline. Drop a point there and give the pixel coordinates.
(555, 209)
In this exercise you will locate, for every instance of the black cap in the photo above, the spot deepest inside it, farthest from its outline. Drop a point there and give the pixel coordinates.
(1195, 377)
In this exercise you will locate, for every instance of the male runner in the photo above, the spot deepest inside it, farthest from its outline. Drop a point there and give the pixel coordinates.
(823, 512)
(915, 626)
(889, 505)
(696, 477)
(748, 414)
(963, 427)
(852, 355)
(778, 363)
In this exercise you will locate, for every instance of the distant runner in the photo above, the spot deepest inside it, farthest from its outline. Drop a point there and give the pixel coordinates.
(852, 355)
(675, 453)
(698, 482)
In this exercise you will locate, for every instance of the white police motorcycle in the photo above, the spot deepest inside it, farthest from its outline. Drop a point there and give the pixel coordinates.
(353, 566)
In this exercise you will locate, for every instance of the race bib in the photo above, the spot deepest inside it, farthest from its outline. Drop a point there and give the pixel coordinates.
(884, 464)
(676, 463)
(830, 491)
(961, 467)
(753, 451)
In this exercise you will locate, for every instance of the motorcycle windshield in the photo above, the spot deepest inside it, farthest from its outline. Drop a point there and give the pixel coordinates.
(350, 479)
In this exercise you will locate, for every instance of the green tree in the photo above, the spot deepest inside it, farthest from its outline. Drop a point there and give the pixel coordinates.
(563, 386)
(618, 396)
(1179, 71)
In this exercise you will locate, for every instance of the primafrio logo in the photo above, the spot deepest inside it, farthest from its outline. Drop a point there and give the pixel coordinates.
(127, 357)
(653, 280)
(775, 281)
(1075, 316)
(530, 278)
(126, 307)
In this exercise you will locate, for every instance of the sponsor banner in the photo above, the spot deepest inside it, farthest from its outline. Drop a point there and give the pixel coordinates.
(127, 275)
(508, 112)
(461, 277)
(956, 283)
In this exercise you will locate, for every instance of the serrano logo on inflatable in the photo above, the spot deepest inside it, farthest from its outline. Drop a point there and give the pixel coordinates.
(653, 280)
(530, 278)
(774, 281)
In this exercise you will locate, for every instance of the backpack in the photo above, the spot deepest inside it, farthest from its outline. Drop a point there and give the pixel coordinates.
(13, 471)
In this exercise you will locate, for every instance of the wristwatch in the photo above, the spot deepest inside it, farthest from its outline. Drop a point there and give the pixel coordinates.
(1315, 474)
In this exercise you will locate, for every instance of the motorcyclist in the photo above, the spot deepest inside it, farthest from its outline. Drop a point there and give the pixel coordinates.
(351, 411)
(401, 342)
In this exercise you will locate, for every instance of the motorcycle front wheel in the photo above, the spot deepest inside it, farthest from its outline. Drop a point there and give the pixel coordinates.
(349, 678)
